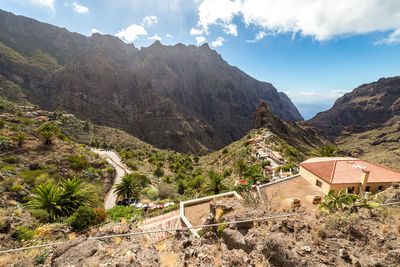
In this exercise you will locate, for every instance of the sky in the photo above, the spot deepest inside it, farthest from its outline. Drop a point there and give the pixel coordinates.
(313, 50)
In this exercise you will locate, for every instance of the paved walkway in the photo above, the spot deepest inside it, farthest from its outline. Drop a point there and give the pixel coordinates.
(114, 159)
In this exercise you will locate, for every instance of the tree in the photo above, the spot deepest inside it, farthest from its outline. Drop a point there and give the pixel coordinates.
(20, 138)
(61, 200)
(129, 187)
(255, 173)
(159, 172)
(215, 183)
(76, 193)
(46, 197)
(47, 132)
(326, 151)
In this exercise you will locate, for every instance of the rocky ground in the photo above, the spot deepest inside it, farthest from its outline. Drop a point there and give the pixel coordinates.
(314, 239)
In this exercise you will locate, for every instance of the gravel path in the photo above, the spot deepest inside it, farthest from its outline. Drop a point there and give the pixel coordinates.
(114, 159)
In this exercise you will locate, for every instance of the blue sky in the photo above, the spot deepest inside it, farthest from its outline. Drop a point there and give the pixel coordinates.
(313, 50)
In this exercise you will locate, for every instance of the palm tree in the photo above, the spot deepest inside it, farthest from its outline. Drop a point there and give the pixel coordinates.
(326, 151)
(76, 193)
(61, 200)
(20, 138)
(129, 187)
(47, 132)
(46, 197)
(215, 183)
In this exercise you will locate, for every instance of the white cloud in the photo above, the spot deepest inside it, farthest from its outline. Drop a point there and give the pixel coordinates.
(80, 9)
(44, 3)
(149, 21)
(217, 42)
(230, 29)
(169, 35)
(322, 20)
(194, 31)
(393, 38)
(131, 33)
(337, 93)
(200, 39)
(260, 35)
(217, 11)
(95, 31)
(155, 37)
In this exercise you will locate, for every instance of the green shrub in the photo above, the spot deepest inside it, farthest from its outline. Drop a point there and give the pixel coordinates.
(41, 215)
(221, 229)
(82, 218)
(150, 193)
(16, 188)
(166, 191)
(12, 159)
(9, 182)
(78, 162)
(100, 216)
(117, 213)
(341, 221)
(227, 172)
(110, 170)
(24, 233)
(265, 163)
(31, 177)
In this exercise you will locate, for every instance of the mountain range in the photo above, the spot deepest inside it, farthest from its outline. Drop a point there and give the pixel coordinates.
(367, 107)
(182, 97)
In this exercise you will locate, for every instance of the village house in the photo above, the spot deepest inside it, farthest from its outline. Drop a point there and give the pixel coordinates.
(347, 173)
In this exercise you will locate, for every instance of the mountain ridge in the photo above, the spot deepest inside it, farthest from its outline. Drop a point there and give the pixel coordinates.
(369, 106)
(183, 97)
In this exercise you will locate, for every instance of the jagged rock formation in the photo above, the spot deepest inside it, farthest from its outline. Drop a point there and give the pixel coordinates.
(182, 97)
(296, 134)
(367, 107)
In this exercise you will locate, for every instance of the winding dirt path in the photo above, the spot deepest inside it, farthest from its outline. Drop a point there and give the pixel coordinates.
(114, 159)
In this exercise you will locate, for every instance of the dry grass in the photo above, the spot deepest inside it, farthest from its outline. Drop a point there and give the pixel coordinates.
(384, 229)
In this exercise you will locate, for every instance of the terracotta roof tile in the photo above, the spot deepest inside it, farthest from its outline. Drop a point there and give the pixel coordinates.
(348, 170)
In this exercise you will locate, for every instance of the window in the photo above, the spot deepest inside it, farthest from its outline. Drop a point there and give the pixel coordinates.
(367, 189)
(380, 188)
(318, 183)
(350, 190)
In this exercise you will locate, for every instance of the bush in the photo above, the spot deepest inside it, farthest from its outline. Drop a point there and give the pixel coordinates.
(78, 162)
(12, 159)
(100, 216)
(166, 191)
(150, 193)
(225, 151)
(32, 177)
(82, 218)
(24, 233)
(265, 163)
(118, 213)
(41, 215)
(15, 188)
(341, 221)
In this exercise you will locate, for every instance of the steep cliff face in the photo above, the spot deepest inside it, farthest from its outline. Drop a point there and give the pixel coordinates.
(297, 134)
(369, 106)
(182, 97)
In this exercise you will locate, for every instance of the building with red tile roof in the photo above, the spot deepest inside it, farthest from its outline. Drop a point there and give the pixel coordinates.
(347, 173)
